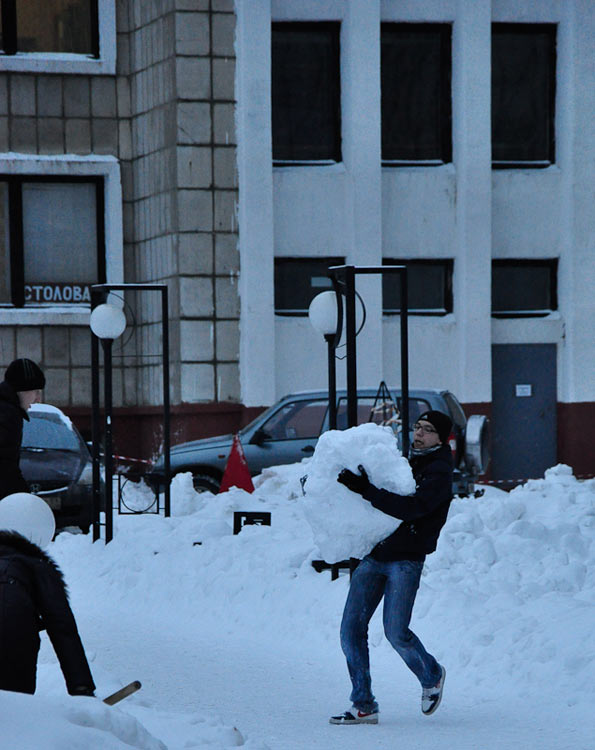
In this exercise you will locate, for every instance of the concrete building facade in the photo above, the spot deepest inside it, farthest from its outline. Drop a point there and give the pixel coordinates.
(173, 117)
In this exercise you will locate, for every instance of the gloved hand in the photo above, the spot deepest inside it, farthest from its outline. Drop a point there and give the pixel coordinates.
(357, 483)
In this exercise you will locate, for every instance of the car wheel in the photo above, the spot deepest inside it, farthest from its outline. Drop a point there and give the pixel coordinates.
(205, 483)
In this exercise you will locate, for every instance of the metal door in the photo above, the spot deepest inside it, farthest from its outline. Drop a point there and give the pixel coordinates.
(523, 410)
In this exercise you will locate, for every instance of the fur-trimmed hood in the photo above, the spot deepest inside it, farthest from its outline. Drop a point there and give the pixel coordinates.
(13, 543)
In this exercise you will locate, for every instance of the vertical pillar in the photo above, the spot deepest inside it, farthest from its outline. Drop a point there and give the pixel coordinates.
(360, 88)
(471, 87)
(256, 284)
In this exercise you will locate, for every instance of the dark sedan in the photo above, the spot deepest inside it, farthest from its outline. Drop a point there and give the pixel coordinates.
(56, 464)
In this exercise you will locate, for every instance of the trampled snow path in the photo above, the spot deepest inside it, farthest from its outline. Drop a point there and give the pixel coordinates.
(273, 691)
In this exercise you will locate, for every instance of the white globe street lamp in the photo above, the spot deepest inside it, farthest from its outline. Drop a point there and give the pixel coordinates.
(324, 316)
(107, 321)
(323, 313)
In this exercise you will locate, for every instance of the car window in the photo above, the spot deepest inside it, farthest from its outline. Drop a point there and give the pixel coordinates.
(417, 406)
(295, 420)
(40, 432)
(456, 410)
(365, 404)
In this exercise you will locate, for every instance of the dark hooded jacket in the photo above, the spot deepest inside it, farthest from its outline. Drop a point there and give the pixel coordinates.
(11, 437)
(423, 513)
(33, 597)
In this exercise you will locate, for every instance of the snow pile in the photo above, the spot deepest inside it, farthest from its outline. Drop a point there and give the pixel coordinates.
(344, 524)
(31, 722)
(514, 576)
(229, 631)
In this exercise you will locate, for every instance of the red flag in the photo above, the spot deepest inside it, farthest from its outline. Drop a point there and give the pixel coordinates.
(237, 473)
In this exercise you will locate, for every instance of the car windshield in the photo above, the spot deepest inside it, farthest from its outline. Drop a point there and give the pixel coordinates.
(48, 434)
(369, 410)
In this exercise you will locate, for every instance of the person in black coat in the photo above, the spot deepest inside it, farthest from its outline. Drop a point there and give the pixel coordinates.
(393, 569)
(21, 387)
(33, 597)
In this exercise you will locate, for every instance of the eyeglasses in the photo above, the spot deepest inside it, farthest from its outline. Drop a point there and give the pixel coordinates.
(424, 428)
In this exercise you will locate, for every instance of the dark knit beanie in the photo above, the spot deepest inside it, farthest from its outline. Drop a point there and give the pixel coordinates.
(440, 421)
(24, 375)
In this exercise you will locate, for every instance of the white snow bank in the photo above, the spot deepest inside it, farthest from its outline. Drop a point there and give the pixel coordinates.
(32, 722)
(506, 603)
(344, 524)
(512, 586)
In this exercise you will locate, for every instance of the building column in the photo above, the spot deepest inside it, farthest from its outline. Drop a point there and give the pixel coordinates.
(253, 94)
(471, 85)
(360, 93)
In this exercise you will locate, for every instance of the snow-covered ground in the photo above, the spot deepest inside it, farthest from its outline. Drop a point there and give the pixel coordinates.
(235, 638)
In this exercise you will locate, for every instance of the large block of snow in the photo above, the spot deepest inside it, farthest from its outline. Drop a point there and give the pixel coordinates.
(344, 524)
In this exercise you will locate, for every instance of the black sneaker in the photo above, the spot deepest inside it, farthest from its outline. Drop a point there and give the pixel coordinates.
(431, 697)
(355, 716)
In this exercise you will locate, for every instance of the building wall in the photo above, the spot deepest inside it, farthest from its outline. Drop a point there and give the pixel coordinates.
(464, 210)
(182, 135)
(159, 108)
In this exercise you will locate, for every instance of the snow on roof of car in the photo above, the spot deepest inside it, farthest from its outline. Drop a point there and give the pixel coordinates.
(49, 409)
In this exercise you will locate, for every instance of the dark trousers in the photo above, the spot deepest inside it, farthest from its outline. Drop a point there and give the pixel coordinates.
(397, 582)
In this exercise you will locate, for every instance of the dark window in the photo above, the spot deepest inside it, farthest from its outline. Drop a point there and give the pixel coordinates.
(306, 93)
(299, 280)
(51, 239)
(523, 94)
(524, 288)
(429, 287)
(416, 93)
(296, 420)
(49, 26)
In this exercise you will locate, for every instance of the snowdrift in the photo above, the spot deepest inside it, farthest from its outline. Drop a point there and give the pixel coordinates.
(506, 601)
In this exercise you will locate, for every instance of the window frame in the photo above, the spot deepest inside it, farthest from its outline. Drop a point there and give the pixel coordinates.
(278, 260)
(518, 28)
(337, 152)
(104, 63)
(447, 264)
(551, 263)
(16, 222)
(70, 166)
(444, 30)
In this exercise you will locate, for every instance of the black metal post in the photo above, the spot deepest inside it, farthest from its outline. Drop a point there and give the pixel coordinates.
(351, 350)
(332, 382)
(109, 461)
(97, 297)
(404, 364)
(95, 435)
(104, 289)
(166, 405)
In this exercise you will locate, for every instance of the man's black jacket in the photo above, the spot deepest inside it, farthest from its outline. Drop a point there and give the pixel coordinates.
(423, 513)
(11, 436)
(32, 597)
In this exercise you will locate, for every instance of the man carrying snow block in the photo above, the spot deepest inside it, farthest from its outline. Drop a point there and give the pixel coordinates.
(393, 569)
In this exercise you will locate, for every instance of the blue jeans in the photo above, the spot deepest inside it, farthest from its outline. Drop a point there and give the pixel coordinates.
(398, 582)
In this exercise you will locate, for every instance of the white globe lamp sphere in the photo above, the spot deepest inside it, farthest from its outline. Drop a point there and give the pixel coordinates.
(323, 313)
(107, 321)
(29, 516)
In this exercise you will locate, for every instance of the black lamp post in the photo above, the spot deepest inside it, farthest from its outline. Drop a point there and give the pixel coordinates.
(326, 315)
(343, 280)
(107, 334)
(107, 323)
